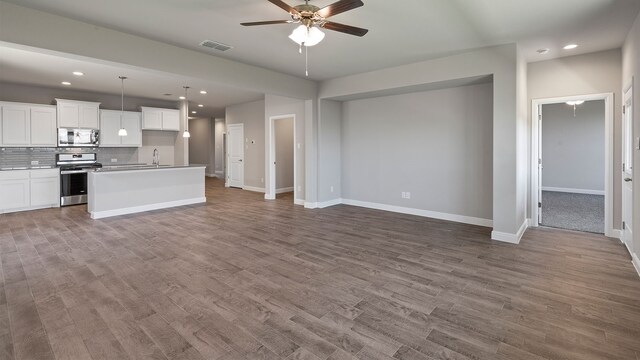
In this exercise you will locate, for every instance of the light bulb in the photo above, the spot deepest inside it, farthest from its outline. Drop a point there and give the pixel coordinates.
(122, 132)
(186, 134)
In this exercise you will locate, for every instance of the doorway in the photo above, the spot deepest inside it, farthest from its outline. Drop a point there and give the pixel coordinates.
(572, 158)
(627, 168)
(282, 158)
(235, 155)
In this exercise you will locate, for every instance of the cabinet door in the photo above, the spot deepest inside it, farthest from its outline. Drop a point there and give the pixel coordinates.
(88, 116)
(15, 125)
(45, 192)
(171, 120)
(43, 127)
(151, 119)
(109, 127)
(131, 123)
(14, 190)
(68, 115)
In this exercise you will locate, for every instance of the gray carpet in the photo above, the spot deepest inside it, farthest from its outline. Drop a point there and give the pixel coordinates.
(580, 212)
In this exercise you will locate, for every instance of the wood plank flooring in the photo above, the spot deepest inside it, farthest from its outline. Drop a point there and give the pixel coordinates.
(244, 278)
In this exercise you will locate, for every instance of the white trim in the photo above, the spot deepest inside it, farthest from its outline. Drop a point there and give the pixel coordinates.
(253, 188)
(608, 148)
(137, 209)
(636, 263)
(329, 203)
(573, 191)
(510, 238)
(531, 223)
(298, 202)
(211, 175)
(284, 190)
(226, 161)
(310, 205)
(420, 212)
(617, 234)
(271, 156)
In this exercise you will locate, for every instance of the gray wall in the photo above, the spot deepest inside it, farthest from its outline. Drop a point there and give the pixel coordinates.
(252, 115)
(436, 145)
(283, 129)
(631, 70)
(573, 147)
(330, 151)
(593, 73)
(201, 146)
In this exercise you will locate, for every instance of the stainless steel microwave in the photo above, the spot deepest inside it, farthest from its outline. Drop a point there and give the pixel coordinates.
(78, 137)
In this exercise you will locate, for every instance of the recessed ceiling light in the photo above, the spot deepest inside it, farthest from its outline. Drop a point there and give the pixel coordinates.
(78, 73)
(194, 112)
(542, 51)
(66, 83)
(200, 105)
(182, 98)
(203, 92)
(570, 46)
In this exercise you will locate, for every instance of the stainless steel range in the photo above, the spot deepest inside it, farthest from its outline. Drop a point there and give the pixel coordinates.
(73, 177)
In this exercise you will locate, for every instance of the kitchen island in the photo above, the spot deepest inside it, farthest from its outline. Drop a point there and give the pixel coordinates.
(121, 190)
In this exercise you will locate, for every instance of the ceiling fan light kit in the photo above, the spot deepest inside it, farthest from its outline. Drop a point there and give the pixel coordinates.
(311, 18)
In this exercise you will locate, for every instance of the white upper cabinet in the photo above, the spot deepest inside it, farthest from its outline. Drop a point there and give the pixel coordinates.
(23, 125)
(160, 119)
(77, 114)
(111, 121)
(16, 125)
(43, 126)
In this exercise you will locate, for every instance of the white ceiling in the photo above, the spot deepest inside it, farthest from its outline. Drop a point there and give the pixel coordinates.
(401, 32)
(50, 69)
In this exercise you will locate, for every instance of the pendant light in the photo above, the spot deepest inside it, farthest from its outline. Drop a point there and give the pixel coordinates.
(575, 103)
(122, 131)
(186, 133)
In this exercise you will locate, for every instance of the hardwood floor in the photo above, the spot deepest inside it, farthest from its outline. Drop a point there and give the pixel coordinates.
(244, 278)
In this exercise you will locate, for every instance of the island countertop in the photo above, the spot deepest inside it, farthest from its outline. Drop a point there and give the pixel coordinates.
(144, 167)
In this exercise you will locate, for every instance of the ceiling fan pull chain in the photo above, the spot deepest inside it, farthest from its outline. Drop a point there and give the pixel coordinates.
(306, 61)
(300, 49)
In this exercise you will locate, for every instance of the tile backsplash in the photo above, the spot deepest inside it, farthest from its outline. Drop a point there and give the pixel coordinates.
(21, 157)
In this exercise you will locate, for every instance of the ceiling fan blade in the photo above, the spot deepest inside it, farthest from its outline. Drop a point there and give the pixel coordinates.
(347, 29)
(270, 22)
(281, 4)
(339, 7)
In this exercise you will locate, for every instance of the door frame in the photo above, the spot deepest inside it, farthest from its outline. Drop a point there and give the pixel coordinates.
(226, 160)
(627, 96)
(270, 193)
(608, 150)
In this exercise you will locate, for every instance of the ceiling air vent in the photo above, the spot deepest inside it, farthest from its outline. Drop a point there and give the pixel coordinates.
(215, 45)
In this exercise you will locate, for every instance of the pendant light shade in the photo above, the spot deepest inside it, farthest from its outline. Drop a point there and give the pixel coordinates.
(186, 133)
(307, 36)
(122, 131)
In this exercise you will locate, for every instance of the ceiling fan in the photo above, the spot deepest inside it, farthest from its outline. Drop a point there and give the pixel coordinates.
(313, 17)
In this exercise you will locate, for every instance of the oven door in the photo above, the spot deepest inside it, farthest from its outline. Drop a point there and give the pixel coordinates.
(73, 187)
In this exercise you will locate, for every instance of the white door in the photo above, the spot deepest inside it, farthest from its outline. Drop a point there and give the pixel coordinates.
(235, 155)
(539, 164)
(43, 126)
(16, 125)
(627, 169)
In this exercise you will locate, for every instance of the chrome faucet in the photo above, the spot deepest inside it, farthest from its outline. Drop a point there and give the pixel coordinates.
(156, 157)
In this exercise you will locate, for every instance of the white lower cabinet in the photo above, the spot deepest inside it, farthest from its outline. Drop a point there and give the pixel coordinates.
(29, 189)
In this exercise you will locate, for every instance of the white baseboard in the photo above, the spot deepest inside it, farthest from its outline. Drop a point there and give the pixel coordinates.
(326, 204)
(137, 209)
(310, 205)
(211, 175)
(284, 190)
(574, 191)
(510, 238)
(219, 172)
(532, 223)
(298, 202)
(269, 197)
(253, 188)
(636, 262)
(420, 212)
(616, 233)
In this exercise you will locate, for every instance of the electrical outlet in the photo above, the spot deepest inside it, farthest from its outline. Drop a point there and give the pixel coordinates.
(114, 160)
(35, 162)
(408, 195)
(332, 189)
